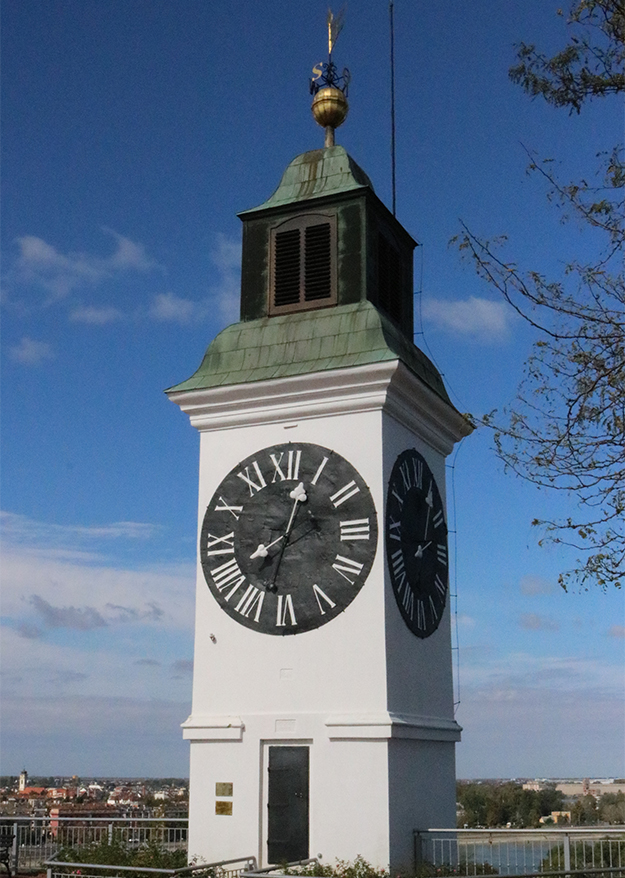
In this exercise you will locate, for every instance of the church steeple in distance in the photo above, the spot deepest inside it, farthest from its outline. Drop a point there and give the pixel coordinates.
(329, 106)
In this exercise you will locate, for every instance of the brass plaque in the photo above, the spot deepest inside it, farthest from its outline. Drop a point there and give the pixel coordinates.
(223, 789)
(223, 808)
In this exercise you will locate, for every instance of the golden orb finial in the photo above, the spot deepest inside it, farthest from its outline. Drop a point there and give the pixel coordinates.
(329, 109)
(329, 106)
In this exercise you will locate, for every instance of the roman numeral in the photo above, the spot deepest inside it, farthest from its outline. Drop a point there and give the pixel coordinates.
(226, 575)
(399, 569)
(440, 585)
(252, 485)
(321, 594)
(227, 547)
(420, 615)
(292, 465)
(344, 493)
(319, 470)
(226, 508)
(394, 529)
(404, 471)
(433, 608)
(399, 499)
(417, 466)
(408, 602)
(344, 566)
(357, 529)
(253, 597)
(441, 553)
(437, 519)
(285, 606)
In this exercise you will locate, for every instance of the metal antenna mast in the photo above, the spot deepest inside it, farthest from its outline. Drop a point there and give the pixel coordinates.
(392, 28)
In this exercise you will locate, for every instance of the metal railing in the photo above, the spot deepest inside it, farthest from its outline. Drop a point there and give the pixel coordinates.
(38, 839)
(221, 869)
(525, 852)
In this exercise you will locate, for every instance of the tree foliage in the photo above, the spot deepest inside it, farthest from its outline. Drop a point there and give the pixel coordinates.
(495, 805)
(590, 65)
(566, 428)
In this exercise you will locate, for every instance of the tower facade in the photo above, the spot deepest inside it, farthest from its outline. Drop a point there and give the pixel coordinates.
(322, 719)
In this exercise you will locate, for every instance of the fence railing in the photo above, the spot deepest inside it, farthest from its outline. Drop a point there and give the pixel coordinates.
(221, 869)
(522, 851)
(37, 839)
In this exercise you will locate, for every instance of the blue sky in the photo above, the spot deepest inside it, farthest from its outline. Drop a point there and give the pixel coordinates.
(133, 134)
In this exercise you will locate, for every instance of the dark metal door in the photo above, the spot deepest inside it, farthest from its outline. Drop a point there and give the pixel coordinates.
(288, 804)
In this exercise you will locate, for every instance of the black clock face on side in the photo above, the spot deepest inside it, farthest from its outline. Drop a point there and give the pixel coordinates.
(416, 543)
(288, 538)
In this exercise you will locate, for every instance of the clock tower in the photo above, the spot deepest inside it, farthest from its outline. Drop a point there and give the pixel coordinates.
(322, 718)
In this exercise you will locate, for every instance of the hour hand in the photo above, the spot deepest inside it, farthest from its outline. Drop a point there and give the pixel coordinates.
(263, 550)
(421, 550)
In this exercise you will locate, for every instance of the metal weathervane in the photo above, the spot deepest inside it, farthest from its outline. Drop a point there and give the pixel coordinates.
(325, 74)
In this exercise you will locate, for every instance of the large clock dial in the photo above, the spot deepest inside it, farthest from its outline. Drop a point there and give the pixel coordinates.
(416, 543)
(288, 538)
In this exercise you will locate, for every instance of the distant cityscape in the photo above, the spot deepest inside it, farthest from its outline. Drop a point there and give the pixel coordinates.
(481, 802)
(61, 795)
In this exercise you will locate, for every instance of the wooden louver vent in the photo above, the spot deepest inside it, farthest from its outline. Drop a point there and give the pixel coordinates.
(389, 279)
(303, 269)
(287, 269)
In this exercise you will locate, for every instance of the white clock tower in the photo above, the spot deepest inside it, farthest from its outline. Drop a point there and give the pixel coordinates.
(322, 719)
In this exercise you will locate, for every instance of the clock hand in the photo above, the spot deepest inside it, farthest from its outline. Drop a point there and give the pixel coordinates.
(430, 503)
(261, 551)
(421, 550)
(298, 495)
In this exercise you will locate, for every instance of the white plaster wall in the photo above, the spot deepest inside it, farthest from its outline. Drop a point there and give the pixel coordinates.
(336, 668)
(422, 780)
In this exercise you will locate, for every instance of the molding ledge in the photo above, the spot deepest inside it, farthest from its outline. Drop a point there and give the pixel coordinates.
(213, 728)
(391, 725)
(388, 385)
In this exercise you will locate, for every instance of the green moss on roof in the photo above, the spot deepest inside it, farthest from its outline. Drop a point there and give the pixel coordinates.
(310, 341)
(316, 173)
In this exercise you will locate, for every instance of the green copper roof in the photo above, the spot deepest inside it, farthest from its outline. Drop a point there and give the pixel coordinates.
(313, 174)
(309, 341)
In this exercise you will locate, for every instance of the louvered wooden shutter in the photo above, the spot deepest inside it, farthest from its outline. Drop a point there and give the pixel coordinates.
(287, 268)
(317, 263)
(303, 271)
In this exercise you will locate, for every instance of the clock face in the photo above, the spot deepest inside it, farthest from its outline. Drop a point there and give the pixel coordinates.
(288, 538)
(416, 543)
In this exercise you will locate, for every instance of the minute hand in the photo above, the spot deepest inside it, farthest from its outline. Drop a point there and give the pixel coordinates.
(298, 495)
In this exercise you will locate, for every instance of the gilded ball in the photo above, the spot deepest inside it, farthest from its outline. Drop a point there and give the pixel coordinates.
(329, 107)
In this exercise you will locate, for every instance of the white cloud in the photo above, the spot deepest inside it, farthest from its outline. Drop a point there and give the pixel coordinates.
(97, 735)
(226, 255)
(170, 308)
(536, 585)
(525, 671)
(19, 529)
(31, 352)
(534, 622)
(41, 265)
(223, 300)
(95, 316)
(480, 318)
(182, 668)
(50, 585)
(616, 631)
(540, 733)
